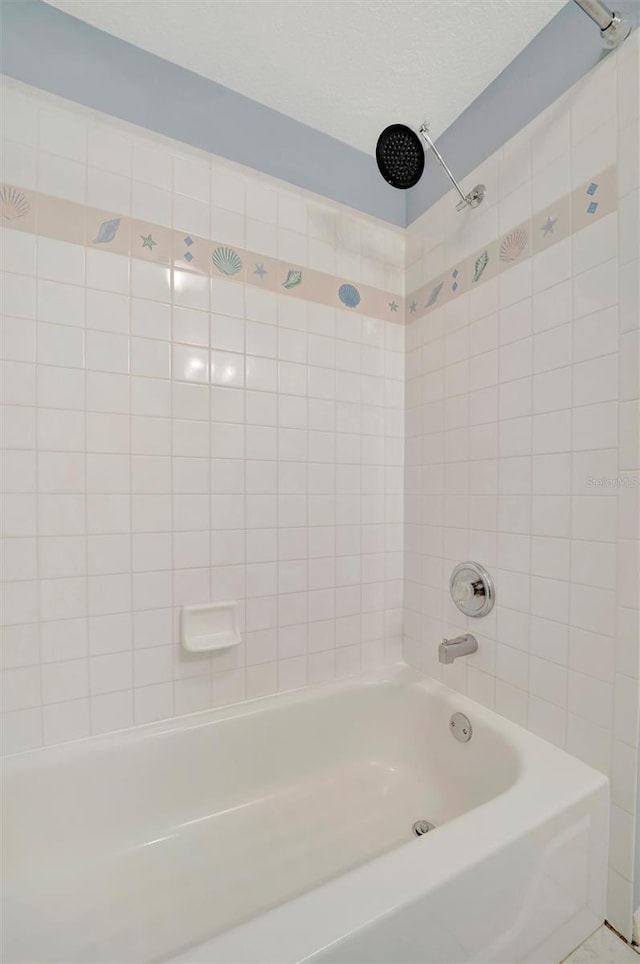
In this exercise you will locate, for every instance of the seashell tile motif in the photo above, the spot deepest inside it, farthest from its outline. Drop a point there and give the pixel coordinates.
(513, 244)
(433, 297)
(107, 231)
(349, 295)
(481, 263)
(13, 203)
(227, 261)
(293, 279)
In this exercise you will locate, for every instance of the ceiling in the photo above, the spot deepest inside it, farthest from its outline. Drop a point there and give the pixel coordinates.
(345, 67)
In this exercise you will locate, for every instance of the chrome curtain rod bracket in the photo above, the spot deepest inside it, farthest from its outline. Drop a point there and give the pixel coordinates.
(475, 197)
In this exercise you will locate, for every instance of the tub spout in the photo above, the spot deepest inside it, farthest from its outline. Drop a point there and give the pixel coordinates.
(450, 649)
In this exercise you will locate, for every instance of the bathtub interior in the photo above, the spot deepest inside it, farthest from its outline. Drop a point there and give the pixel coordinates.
(136, 845)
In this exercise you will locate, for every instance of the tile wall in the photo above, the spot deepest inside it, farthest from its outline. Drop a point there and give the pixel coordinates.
(176, 436)
(522, 438)
(137, 480)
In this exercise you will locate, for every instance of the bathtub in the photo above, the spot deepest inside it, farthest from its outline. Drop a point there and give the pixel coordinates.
(281, 831)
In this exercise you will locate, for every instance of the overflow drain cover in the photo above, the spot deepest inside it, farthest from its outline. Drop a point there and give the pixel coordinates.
(421, 827)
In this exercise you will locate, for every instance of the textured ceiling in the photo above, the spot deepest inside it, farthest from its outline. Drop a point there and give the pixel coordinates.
(346, 67)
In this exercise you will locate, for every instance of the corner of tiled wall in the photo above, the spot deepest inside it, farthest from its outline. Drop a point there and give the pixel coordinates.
(522, 434)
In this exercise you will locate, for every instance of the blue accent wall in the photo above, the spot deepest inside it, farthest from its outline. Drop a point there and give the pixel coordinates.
(563, 52)
(49, 49)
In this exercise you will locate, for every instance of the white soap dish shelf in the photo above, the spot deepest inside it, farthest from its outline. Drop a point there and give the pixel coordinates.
(212, 626)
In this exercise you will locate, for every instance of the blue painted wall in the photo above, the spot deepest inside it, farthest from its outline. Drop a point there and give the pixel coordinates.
(566, 49)
(49, 49)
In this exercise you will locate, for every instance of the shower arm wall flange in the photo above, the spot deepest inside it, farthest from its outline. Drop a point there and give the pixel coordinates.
(614, 27)
(475, 197)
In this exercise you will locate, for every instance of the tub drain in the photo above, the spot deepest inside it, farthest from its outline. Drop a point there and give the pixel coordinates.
(421, 827)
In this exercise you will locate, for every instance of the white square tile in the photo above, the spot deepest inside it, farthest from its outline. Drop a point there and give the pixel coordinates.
(17, 383)
(228, 370)
(106, 351)
(547, 720)
(59, 432)
(548, 681)
(595, 244)
(592, 654)
(111, 711)
(107, 271)
(59, 345)
(595, 426)
(191, 177)
(550, 598)
(150, 203)
(191, 327)
(596, 381)
(589, 742)
(60, 261)
(591, 698)
(61, 304)
(108, 191)
(107, 311)
(66, 721)
(596, 289)
(61, 177)
(552, 349)
(68, 680)
(190, 364)
(592, 609)
(150, 357)
(108, 150)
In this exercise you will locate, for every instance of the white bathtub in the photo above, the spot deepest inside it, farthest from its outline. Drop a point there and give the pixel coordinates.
(281, 831)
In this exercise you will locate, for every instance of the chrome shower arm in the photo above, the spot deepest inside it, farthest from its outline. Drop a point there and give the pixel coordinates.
(614, 28)
(598, 12)
(424, 131)
(474, 197)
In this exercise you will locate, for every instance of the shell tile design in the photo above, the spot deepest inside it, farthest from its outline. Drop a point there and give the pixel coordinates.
(513, 244)
(13, 203)
(227, 261)
(293, 279)
(481, 263)
(433, 297)
(107, 231)
(349, 295)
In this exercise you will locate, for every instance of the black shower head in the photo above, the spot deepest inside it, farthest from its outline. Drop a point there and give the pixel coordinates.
(400, 156)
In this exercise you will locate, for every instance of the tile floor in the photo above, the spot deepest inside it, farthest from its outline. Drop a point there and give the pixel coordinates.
(603, 947)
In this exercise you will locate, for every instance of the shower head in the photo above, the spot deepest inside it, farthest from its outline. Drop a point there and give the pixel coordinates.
(400, 156)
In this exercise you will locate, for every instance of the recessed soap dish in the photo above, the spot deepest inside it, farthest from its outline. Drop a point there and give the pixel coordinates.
(212, 626)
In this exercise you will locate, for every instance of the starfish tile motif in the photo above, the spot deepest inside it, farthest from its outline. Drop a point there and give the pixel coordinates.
(548, 226)
(147, 241)
(393, 306)
(261, 271)
(412, 307)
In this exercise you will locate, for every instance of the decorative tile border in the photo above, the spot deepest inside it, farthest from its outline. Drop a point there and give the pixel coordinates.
(588, 203)
(64, 220)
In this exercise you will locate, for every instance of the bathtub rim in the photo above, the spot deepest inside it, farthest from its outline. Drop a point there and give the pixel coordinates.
(397, 674)
(550, 783)
(316, 920)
